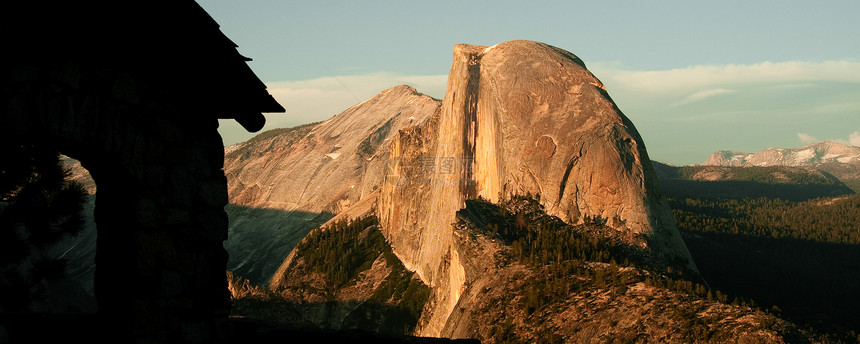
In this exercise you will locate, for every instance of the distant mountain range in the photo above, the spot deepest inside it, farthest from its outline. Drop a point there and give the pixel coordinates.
(785, 182)
(831, 158)
(813, 155)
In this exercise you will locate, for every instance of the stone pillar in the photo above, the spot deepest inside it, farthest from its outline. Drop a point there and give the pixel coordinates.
(160, 265)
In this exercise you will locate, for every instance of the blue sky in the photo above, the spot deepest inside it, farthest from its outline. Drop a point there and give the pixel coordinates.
(694, 77)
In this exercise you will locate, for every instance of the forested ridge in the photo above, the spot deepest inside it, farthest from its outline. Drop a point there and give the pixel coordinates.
(340, 252)
(783, 182)
(550, 245)
(590, 269)
(342, 249)
(759, 174)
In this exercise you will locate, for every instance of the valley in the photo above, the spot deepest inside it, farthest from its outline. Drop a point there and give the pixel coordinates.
(523, 207)
(791, 243)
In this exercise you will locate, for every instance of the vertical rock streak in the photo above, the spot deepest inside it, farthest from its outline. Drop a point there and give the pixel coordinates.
(456, 140)
(469, 116)
(563, 184)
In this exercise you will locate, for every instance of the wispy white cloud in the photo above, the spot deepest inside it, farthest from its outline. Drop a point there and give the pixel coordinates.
(854, 139)
(700, 95)
(358, 87)
(713, 76)
(824, 88)
(806, 138)
(319, 99)
(745, 107)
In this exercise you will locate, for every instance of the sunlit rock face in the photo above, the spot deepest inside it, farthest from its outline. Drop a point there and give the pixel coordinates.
(520, 117)
(344, 156)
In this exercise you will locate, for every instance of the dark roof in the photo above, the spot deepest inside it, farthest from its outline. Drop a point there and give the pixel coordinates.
(173, 44)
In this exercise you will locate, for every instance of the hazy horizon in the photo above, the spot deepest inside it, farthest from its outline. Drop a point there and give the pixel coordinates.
(693, 79)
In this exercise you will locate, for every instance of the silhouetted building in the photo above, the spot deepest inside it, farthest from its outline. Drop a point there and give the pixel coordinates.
(135, 90)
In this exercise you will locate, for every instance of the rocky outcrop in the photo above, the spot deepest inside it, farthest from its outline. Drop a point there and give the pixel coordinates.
(519, 117)
(285, 182)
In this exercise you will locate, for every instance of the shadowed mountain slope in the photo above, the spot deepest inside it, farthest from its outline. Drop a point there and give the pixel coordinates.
(303, 176)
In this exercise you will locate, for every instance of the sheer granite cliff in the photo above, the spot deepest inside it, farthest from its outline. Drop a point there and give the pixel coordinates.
(519, 117)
